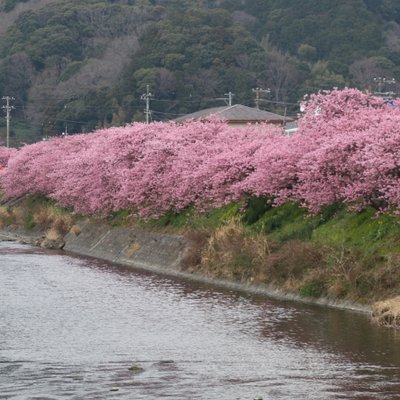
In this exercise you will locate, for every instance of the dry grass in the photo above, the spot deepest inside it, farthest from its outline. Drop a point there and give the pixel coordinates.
(193, 257)
(53, 234)
(62, 223)
(19, 215)
(387, 313)
(132, 249)
(3, 212)
(352, 275)
(75, 229)
(293, 260)
(42, 216)
(345, 274)
(4, 217)
(49, 217)
(232, 252)
(387, 277)
(304, 267)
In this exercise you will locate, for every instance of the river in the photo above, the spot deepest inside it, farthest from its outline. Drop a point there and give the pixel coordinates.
(78, 328)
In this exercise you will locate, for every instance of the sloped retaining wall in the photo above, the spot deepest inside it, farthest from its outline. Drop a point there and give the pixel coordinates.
(128, 246)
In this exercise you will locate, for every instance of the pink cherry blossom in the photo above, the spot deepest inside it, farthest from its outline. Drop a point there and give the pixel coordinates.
(347, 149)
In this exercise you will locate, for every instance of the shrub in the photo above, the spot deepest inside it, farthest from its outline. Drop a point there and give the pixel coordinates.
(232, 252)
(312, 289)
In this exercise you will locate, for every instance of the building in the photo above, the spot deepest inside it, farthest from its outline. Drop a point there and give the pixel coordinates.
(291, 128)
(236, 115)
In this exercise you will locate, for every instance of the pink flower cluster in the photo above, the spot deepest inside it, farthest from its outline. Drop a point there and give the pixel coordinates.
(347, 150)
(5, 154)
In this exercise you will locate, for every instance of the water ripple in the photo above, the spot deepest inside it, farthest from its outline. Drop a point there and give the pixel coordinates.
(75, 328)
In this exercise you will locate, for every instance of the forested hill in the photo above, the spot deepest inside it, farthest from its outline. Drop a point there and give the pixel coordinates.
(79, 65)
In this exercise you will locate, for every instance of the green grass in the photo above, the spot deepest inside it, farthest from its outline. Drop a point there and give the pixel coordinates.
(314, 288)
(363, 230)
(192, 219)
(37, 200)
(289, 222)
(285, 222)
(335, 226)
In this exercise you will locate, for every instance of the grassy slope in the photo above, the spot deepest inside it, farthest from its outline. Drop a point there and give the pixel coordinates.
(338, 254)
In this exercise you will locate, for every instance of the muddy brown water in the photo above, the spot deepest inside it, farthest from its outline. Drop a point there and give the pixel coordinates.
(78, 328)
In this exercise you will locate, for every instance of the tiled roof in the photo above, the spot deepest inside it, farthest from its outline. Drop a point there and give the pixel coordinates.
(237, 112)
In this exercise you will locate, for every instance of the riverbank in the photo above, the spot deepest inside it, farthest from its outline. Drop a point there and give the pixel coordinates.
(336, 259)
(157, 253)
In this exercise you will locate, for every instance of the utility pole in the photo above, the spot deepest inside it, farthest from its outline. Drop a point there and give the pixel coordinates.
(65, 133)
(147, 97)
(230, 97)
(228, 100)
(8, 109)
(258, 91)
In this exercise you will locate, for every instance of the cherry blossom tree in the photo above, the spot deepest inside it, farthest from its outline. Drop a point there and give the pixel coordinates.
(347, 150)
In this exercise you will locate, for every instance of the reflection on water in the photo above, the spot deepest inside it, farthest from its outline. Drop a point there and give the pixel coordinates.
(72, 328)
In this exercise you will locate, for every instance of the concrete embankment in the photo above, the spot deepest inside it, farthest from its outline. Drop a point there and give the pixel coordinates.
(128, 246)
(155, 252)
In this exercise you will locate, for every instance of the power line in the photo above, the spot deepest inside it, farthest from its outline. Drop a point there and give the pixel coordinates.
(68, 120)
(167, 113)
(280, 102)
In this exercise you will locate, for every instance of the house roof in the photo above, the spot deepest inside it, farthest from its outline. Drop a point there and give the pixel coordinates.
(236, 113)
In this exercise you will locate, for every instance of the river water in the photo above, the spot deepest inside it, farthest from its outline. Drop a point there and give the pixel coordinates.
(76, 328)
